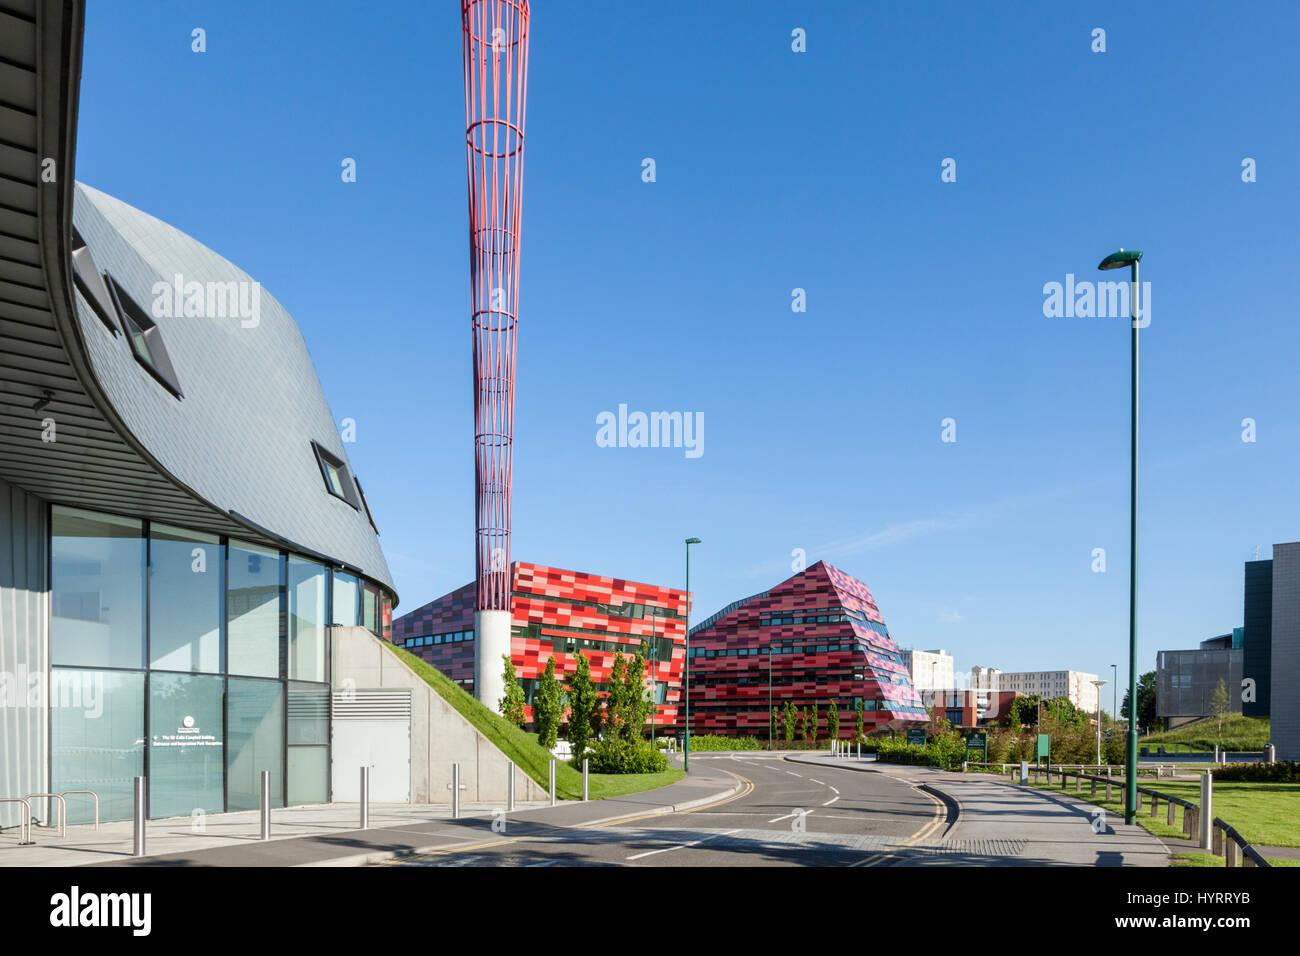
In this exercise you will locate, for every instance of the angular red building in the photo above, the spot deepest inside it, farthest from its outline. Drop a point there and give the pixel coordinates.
(814, 638)
(561, 612)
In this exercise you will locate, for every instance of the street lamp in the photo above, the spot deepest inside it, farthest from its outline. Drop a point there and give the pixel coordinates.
(1114, 712)
(771, 715)
(1118, 260)
(686, 749)
(1098, 684)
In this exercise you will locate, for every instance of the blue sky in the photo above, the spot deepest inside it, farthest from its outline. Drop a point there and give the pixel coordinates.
(778, 170)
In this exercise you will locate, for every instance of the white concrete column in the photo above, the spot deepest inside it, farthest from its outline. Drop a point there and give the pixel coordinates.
(491, 640)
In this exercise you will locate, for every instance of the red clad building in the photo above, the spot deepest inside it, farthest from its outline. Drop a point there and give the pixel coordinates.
(561, 612)
(814, 638)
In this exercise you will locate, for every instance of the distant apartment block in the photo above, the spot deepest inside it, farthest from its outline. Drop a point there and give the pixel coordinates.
(1075, 686)
(930, 670)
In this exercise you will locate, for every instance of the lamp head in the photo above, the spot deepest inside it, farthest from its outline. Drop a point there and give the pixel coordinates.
(1118, 260)
(692, 540)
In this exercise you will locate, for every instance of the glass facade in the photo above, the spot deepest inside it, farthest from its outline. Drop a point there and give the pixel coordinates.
(193, 660)
(97, 579)
(185, 601)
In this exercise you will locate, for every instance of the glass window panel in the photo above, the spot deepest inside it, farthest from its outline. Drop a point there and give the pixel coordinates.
(370, 609)
(309, 710)
(255, 722)
(184, 600)
(97, 608)
(252, 611)
(346, 599)
(96, 739)
(306, 620)
(308, 775)
(186, 744)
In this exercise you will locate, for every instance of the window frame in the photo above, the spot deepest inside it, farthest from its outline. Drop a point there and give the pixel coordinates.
(326, 459)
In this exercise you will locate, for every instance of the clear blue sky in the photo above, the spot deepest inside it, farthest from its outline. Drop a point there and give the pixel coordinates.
(778, 170)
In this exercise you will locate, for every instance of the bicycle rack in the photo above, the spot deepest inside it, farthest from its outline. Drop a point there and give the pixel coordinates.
(91, 793)
(63, 811)
(25, 827)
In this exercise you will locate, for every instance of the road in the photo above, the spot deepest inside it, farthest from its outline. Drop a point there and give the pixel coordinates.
(785, 814)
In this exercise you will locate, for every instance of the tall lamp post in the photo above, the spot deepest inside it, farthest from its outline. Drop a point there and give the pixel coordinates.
(1098, 684)
(1118, 260)
(686, 749)
(771, 717)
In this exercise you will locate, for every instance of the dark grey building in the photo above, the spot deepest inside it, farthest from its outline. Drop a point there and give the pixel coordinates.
(1186, 682)
(179, 522)
(1284, 679)
(1257, 621)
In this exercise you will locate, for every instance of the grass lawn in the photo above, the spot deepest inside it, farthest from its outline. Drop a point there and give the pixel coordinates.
(1209, 859)
(1265, 814)
(1239, 733)
(522, 747)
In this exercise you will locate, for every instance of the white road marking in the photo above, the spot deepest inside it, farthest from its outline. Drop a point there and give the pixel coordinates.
(793, 774)
(830, 801)
(789, 815)
(680, 846)
(833, 790)
(818, 782)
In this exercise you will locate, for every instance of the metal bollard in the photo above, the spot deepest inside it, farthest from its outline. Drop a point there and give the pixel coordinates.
(1205, 815)
(455, 791)
(552, 784)
(266, 805)
(510, 789)
(137, 844)
(584, 779)
(365, 798)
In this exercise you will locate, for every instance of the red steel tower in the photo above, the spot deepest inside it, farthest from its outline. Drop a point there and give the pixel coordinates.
(495, 36)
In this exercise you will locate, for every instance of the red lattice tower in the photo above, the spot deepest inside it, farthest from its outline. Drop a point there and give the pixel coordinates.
(495, 35)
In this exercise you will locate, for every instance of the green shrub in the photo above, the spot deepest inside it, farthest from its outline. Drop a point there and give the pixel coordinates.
(620, 755)
(707, 742)
(1284, 771)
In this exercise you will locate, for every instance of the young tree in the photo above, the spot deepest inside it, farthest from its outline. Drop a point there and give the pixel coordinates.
(772, 728)
(638, 707)
(811, 726)
(512, 704)
(833, 722)
(789, 721)
(583, 703)
(803, 722)
(858, 719)
(546, 707)
(615, 700)
(1146, 702)
(1219, 705)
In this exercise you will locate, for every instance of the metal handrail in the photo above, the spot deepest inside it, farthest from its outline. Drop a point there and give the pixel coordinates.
(25, 826)
(93, 794)
(63, 811)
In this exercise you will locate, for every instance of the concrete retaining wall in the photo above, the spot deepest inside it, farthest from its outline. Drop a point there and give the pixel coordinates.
(440, 736)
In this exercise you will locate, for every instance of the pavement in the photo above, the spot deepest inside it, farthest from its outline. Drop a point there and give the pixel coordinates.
(328, 835)
(1004, 824)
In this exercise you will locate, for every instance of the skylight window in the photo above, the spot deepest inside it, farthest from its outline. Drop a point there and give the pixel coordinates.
(90, 283)
(338, 479)
(145, 338)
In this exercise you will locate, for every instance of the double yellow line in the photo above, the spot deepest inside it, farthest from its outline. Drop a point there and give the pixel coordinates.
(747, 787)
(940, 813)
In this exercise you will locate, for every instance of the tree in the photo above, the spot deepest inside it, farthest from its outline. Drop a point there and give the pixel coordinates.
(583, 704)
(638, 705)
(810, 728)
(857, 721)
(512, 704)
(803, 723)
(615, 700)
(1146, 701)
(789, 720)
(1219, 705)
(833, 722)
(1024, 711)
(772, 728)
(546, 707)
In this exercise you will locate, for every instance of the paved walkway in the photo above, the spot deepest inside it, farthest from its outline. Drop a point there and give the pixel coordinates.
(1004, 824)
(327, 835)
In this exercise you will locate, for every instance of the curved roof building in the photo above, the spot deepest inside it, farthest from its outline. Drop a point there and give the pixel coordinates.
(179, 521)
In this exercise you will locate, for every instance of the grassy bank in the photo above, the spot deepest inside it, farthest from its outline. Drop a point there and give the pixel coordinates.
(522, 747)
(1239, 733)
(1263, 813)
